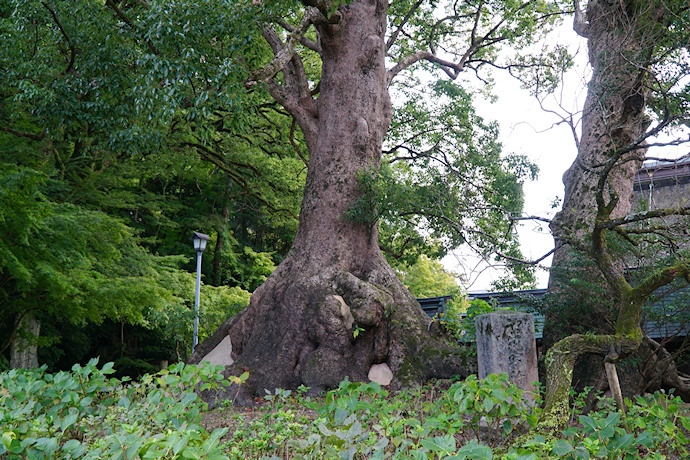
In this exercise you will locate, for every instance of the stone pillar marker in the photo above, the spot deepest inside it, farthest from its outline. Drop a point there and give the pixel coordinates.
(505, 343)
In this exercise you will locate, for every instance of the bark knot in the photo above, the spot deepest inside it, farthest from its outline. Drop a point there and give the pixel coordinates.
(361, 134)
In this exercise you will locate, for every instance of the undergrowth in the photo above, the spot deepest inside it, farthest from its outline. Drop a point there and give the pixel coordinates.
(86, 413)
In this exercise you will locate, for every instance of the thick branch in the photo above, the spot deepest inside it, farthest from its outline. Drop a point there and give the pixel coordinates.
(601, 256)
(661, 278)
(450, 68)
(302, 39)
(560, 362)
(295, 96)
(72, 50)
(286, 51)
(580, 24)
(35, 137)
(642, 216)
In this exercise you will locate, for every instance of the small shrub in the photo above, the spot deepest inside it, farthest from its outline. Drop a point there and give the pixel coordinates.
(493, 403)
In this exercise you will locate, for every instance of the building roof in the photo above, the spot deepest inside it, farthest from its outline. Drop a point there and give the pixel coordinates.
(661, 326)
(662, 173)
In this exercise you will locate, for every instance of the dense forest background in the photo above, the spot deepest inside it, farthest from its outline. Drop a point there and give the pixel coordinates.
(97, 240)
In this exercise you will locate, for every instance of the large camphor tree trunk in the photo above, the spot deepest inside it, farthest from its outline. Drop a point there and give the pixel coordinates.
(621, 37)
(613, 119)
(334, 306)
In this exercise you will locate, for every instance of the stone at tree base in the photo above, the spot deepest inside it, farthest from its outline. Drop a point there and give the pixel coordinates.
(505, 343)
(381, 374)
(221, 354)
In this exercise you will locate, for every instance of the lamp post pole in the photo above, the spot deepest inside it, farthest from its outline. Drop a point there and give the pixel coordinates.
(199, 240)
(195, 339)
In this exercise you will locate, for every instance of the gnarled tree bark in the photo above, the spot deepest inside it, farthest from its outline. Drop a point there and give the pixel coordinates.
(610, 151)
(299, 328)
(622, 37)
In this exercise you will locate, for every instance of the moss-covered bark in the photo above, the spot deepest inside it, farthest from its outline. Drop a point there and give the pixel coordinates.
(560, 362)
(623, 37)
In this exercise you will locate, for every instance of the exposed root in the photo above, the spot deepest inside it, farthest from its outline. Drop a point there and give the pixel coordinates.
(560, 362)
(317, 330)
(660, 371)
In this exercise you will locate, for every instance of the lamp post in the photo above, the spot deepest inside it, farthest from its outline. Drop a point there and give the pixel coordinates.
(199, 240)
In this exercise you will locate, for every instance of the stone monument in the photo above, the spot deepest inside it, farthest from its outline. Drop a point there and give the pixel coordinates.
(505, 343)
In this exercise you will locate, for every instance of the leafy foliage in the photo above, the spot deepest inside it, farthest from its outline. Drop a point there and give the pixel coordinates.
(427, 278)
(62, 262)
(445, 177)
(113, 149)
(85, 413)
(63, 259)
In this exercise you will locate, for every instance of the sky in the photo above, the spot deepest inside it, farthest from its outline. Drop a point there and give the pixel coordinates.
(529, 130)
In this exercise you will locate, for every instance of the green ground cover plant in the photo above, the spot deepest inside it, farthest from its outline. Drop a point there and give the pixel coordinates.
(86, 413)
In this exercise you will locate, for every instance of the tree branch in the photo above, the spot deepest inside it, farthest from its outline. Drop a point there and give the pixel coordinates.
(284, 52)
(314, 46)
(124, 18)
(453, 68)
(35, 137)
(660, 278)
(72, 50)
(394, 35)
(641, 216)
(450, 68)
(580, 24)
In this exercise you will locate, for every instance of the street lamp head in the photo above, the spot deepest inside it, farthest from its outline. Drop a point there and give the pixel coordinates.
(200, 240)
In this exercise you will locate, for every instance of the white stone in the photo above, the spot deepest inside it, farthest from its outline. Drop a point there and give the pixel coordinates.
(381, 374)
(345, 312)
(222, 354)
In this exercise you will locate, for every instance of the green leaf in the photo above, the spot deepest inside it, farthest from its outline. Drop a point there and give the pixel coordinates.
(7, 438)
(581, 453)
(189, 398)
(589, 422)
(562, 448)
(74, 448)
(48, 445)
(440, 444)
(69, 420)
(475, 451)
(622, 442)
